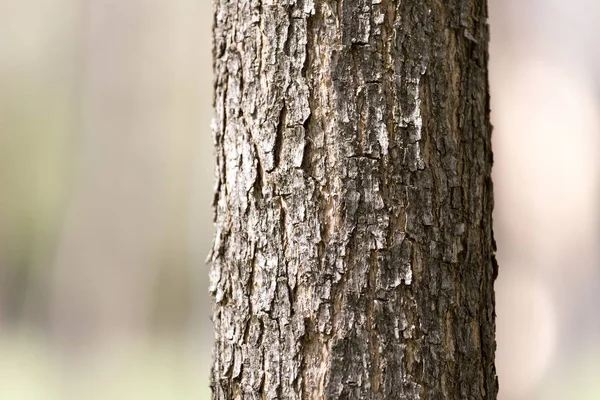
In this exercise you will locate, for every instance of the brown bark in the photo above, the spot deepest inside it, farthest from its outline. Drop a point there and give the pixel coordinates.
(353, 256)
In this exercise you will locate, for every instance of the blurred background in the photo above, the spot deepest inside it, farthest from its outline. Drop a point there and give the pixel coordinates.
(106, 177)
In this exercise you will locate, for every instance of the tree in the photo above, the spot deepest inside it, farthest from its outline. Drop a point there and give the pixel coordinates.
(354, 253)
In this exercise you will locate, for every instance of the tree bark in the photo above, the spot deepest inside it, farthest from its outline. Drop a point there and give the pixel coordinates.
(354, 253)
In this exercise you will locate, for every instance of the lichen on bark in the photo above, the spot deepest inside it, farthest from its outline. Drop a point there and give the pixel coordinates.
(353, 254)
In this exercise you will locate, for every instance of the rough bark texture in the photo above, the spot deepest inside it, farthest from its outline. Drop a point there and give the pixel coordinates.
(353, 256)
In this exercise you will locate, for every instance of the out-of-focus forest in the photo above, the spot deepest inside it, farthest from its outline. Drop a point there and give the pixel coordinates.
(106, 179)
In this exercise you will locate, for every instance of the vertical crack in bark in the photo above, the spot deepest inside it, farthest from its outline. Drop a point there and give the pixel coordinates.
(279, 136)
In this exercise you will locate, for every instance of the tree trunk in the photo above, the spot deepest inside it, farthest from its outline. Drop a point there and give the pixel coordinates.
(353, 256)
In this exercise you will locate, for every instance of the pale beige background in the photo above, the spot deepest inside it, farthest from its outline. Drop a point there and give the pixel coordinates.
(106, 182)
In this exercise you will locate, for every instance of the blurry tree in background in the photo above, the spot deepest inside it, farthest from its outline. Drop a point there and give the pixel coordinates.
(102, 109)
(545, 71)
(106, 176)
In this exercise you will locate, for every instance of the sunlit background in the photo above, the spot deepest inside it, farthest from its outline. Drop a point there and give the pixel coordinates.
(106, 179)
